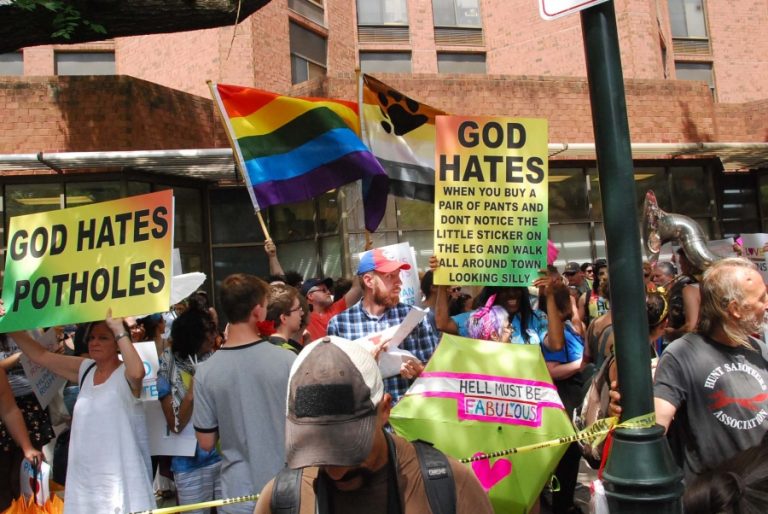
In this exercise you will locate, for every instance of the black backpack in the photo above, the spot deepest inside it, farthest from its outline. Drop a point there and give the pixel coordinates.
(436, 472)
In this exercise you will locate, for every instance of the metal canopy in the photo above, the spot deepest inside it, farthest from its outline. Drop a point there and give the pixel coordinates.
(215, 164)
(212, 164)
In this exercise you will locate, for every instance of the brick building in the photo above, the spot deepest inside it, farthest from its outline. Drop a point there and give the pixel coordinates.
(697, 99)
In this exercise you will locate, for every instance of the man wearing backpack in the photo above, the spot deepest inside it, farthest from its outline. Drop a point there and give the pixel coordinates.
(341, 460)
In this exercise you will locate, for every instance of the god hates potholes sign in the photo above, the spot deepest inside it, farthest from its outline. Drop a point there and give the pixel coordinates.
(490, 200)
(69, 266)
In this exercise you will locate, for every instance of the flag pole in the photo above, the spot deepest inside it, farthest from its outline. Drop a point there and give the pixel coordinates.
(359, 76)
(235, 153)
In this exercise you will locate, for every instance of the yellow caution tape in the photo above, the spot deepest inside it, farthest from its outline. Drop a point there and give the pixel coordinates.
(594, 433)
(203, 505)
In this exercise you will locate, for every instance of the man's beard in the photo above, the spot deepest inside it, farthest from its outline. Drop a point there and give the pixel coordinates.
(754, 324)
(387, 300)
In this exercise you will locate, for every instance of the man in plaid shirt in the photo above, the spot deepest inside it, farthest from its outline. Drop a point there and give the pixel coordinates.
(380, 309)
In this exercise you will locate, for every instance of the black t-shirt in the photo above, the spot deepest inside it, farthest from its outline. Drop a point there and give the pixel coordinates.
(721, 393)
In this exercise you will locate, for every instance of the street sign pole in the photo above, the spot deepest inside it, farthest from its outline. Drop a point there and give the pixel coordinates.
(641, 475)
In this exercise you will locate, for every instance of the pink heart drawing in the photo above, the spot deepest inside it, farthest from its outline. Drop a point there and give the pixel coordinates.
(489, 475)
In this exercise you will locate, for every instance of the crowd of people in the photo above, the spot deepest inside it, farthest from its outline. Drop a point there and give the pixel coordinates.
(285, 336)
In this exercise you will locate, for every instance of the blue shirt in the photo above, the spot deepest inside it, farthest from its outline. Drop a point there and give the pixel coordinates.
(572, 351)
(537, 327)
(355, 323)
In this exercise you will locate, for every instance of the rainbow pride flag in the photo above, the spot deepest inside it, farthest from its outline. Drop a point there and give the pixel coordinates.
(401, 133)
(293, 149)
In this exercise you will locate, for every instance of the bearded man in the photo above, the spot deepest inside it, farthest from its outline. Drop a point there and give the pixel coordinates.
(380, 309)
(714, 383)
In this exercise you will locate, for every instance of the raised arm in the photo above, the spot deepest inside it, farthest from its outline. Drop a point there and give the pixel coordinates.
(443, 319)
(274, 264)
(355, 292)
(67, 366)
(134, 366)
(555, 338)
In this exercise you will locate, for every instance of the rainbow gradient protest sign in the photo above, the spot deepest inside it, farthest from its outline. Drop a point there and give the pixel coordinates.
(491, 196)
(70, 265)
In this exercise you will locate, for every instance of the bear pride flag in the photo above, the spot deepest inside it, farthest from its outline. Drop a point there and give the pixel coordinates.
(292, 149)
(401, 133)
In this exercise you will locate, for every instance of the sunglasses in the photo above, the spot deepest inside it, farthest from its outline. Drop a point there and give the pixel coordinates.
(455, 289)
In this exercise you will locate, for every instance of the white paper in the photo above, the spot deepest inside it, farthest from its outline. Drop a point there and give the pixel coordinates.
(413, 318)
(161, 440)
(148, 353)
(27, 479)
(176, 262)
(184, 285)
(393, 356)
(45, 384)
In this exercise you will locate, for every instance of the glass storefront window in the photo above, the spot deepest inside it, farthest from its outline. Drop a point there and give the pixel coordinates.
(330, 249)
(83, 193)
(567, 194)
(226, 261)
(328, 213)
(690, 191)
(763, 188)
(596, 202)
(188, 227)
(232, 217)
(138, 188)
(292, 221)
(573, 241)
(21, 199)
(300, 256)
(652, 179)
(191, 262)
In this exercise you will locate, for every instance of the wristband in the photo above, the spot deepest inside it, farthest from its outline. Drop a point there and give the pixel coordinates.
(122, 335)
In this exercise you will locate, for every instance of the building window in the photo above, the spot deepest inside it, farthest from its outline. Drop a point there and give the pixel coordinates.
(701, 71)
(84, 63)
(385, 62)
(382, 12)
(460, 63)
(311, 9)
(12, 64)
(308, 54)
(687, 18)
(456, 13)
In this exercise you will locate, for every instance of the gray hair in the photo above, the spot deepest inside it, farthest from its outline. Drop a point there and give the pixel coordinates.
(718, 289)
(667, 268)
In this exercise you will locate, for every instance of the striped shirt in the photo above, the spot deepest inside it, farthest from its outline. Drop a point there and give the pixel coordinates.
(355, 323)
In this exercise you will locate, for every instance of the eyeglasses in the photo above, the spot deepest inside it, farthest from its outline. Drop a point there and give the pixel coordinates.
(299, 308)
(318, 290)
(588, 270)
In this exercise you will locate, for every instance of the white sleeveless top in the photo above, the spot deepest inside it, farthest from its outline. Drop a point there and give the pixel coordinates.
(109, 464)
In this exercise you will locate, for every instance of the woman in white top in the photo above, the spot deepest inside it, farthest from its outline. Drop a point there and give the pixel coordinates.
(109, 465)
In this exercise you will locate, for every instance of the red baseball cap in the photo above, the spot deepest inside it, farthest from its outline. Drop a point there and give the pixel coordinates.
(375, 260)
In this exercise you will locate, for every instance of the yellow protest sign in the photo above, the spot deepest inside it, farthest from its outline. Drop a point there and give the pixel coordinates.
(70, 265)
(490, 200)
